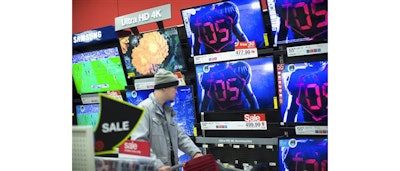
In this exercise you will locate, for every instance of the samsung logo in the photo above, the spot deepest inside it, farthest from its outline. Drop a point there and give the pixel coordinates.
(87, 36)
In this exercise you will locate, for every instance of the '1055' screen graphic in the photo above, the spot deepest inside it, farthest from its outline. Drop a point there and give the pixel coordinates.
(305, 92)
(298, 20)
(236, 85)
(303, 154)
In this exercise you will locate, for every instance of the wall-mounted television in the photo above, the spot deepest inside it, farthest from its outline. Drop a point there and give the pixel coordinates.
(305, 92)
(98, 71)
(303, 154)
(87, 114)
(214, 28)
(183, 105)
(298, 20)
(145, 53)
(236, 85)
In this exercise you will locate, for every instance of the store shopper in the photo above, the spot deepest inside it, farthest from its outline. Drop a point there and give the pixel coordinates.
(158, 127)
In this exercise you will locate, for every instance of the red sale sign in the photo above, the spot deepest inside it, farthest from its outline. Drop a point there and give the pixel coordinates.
(254, 117)
(138, 148)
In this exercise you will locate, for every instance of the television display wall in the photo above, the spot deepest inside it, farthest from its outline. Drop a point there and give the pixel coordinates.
(146, 52)
(236, 85)
(298, 20)
(98, 71)
(183, 105)
(214, 28)
(305, 92)
(303, 154)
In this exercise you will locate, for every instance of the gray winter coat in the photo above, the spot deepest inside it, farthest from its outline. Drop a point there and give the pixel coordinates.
(153, 128)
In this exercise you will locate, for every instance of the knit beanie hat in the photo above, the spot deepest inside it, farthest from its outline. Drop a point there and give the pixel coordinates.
(164, 78)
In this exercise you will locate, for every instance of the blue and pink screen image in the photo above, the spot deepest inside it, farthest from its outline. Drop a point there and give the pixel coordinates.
(305, 92)
(236, 85)
(298, 20)
(303, 154)
(183, 105)
(214, 28)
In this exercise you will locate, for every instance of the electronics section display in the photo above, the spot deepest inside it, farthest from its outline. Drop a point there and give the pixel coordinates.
(145, 53)
(254, 98)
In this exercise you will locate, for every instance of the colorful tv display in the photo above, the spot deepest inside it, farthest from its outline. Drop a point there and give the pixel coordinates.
(305, 92)
(183, 105)
(236, 85)
(87, 114)
(303, 154)
(145, 53)
(98, 71)
(215, 27)
(298, 20)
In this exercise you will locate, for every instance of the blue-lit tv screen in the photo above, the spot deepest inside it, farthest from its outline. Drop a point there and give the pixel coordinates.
(183, 105)
(298, 20)
(303, 154)
(87, 114)
(236, 85)
(305, 92)
(215, 27)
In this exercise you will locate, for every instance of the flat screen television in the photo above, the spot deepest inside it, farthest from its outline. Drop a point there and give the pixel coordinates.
(305, 92)
(236, 85)
(183, 105)
(214, 28)
(303, 154)
(145, 53)
(98, 71)
(298, 20)
(87, 114)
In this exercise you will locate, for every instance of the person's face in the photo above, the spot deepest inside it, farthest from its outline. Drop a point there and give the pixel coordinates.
(170, 93)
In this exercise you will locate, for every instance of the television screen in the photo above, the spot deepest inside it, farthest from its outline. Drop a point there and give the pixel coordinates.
(146, 52)
(183, 105)
(305, 92)
(98, 71)
(303, 154)
(87, 114)
(298, 20)
(236, 85)
(214, 28)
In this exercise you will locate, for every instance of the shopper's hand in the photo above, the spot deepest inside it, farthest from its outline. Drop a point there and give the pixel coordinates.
(197, 155)
(164, 168)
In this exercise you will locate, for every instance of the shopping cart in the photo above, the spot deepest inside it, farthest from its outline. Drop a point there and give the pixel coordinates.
(206, 162)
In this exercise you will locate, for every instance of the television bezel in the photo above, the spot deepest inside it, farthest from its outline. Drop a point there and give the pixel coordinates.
(125, 33)
(100, 46)
(294, 43)
(274, 62)
(300, 59)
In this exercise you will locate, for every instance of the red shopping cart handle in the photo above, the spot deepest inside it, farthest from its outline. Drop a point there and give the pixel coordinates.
(203, 163)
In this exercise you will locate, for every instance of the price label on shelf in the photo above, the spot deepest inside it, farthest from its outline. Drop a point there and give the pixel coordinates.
(246, 49)
(307, 50)
(234, 125)
(256, 125)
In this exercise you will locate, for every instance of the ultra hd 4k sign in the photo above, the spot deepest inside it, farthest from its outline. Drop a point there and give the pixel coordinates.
(143, 17)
